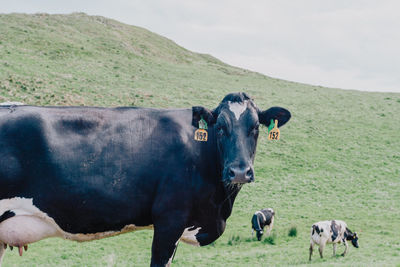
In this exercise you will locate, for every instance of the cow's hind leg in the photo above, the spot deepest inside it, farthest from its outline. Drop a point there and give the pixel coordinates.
(2, 251)
(268, 230)
(270, 226)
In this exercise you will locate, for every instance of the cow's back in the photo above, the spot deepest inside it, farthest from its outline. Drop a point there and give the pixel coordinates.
(103, 162)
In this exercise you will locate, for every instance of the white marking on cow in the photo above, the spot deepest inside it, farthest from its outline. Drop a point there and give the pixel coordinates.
(28, 225)
(2, 250)
(9, 103)
(172, 256)
(31, 224)
(189, 236)
(237, 108)
(262, 214)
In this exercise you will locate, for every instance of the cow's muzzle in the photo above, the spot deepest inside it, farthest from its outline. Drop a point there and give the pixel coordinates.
(240, 175)
(259, 235)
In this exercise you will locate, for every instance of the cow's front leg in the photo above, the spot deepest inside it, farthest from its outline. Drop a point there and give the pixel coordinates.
(334, 249)
(321, 249)
(165, 241)
(346, 248)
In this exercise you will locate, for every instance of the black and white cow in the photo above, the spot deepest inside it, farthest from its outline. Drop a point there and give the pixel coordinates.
(335, 231)
(85, 173)
(263, 218)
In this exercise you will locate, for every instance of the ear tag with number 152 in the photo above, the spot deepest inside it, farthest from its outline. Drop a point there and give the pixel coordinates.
(273, 131)
(201, 134)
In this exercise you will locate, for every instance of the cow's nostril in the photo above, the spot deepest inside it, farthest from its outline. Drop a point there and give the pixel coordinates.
(249, 173)
(231, 174)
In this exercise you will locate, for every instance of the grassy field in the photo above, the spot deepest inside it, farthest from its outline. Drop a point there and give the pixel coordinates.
(339, 156)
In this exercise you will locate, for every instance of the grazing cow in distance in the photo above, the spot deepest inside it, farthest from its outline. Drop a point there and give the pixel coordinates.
(263, 218)
(335, 231)
(85, 173)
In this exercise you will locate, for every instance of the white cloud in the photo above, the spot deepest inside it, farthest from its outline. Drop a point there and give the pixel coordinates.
(346, 44)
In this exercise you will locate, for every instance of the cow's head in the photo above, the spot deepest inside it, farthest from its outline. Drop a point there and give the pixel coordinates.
(235, 123)
(354, 239)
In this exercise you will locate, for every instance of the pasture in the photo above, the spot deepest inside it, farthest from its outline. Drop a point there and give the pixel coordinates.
(338, 157)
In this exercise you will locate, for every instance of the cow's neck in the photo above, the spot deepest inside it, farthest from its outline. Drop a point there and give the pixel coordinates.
(226, 204)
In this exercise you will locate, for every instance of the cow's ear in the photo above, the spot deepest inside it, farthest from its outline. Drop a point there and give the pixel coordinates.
(202, 112)
(274, 113)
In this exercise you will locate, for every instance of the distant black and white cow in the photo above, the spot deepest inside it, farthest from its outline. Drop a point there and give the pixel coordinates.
(83, 173)
(334, 231)
(263, 218)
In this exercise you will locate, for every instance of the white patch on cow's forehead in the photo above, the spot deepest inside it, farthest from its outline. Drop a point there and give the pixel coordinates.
(237, 108)
(189, 236)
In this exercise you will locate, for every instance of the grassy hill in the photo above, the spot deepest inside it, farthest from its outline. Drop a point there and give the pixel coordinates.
(339, 156)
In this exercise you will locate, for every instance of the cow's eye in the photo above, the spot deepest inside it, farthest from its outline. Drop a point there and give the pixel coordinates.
(255, 129)
(220, 131)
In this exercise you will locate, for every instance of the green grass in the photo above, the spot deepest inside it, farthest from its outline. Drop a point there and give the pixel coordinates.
(271, 239)
(338, 158)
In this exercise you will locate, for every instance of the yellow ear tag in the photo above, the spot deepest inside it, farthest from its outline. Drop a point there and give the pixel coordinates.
(201, 134)
(274, 133)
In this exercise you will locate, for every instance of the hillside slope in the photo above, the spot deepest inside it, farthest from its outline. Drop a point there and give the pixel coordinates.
(339, 156)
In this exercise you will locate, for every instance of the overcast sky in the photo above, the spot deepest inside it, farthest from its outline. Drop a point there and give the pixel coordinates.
(347, 44)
